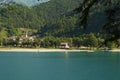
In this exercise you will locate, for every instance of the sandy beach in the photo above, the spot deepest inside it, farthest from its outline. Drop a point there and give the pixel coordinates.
(41, 50)
(48, 50)
(116, 50)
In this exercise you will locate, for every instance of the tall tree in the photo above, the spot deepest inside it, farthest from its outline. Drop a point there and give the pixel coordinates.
(112, 25)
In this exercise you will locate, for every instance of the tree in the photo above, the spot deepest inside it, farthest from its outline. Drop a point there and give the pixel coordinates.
(112, 26)
(91, 40)
(77, 42)
(36, 42)
(3, 34)
(85, 8)
(111, 45)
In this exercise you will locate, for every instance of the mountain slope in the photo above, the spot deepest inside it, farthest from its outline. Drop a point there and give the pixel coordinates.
(39, 16)
(56, 8)
(26, 2)
(67, 25)
(51, 18)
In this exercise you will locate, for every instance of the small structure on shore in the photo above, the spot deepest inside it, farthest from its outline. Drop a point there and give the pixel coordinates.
(64, 46)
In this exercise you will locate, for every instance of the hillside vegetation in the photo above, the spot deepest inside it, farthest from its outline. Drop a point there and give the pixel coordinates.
(49, 15)
(55, 18)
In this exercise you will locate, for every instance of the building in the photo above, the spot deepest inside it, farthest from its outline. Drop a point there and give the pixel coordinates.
(64, 46)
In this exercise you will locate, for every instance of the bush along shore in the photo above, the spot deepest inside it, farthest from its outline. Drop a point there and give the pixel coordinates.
(89, 42)
(86, 42)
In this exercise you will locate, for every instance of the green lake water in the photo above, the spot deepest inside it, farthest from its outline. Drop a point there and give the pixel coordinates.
(59, 66)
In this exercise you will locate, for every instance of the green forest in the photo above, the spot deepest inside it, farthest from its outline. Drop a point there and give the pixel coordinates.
(90, 23)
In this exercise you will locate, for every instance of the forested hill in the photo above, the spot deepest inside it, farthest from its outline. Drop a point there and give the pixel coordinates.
(55, 8)
(60, 22)
(28, 3)
(51, 18)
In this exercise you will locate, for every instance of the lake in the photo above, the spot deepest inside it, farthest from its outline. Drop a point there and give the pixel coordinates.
(60, 66)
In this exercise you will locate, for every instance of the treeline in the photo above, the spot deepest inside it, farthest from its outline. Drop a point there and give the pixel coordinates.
(89, 41)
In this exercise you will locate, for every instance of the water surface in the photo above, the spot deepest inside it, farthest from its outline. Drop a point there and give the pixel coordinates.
(59, 66)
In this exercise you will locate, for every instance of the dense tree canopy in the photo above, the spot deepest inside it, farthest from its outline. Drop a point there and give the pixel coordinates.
(112, 9)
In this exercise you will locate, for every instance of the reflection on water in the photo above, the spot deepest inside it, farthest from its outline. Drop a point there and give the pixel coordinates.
(60, 54)
(59, 66)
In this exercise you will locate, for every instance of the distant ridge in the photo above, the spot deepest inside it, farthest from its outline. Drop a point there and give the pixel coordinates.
(25, 2)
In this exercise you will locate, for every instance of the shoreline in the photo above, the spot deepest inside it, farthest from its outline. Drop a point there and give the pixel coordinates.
(51, 50)
(42, 50)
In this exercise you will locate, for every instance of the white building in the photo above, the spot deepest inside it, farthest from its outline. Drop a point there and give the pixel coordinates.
(64, 46)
